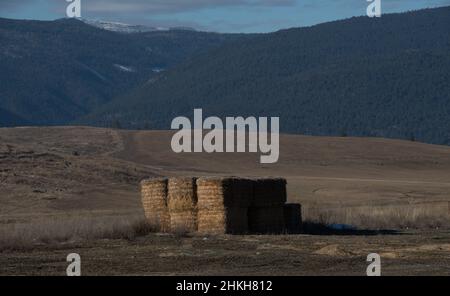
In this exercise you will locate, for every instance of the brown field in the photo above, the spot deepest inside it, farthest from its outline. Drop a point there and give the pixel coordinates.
(75, 189)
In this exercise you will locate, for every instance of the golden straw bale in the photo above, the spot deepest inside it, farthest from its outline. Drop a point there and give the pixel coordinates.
(183, 222)
(182, 204)
(154, 202)
(293, 218)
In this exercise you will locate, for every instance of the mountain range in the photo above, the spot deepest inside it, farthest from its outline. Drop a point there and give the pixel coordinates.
(386, 77)
(54, 72)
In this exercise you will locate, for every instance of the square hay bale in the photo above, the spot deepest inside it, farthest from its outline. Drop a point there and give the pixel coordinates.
(269, 192)
(154, 202)
(242, 192)
(266, 220)
(223, 205)
(182, 204)
(223, 221)
(228, 192)
(293, 218)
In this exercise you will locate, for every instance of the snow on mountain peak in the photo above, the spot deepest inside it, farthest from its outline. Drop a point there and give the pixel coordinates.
(124, 68)
(122, 27)
(127, 28)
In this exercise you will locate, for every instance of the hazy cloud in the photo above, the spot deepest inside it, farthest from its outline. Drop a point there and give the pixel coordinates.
(14, 4)
(169, 6)
(152, 6)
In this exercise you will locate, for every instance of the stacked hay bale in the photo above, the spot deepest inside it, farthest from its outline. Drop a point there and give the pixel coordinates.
(266, 213)
(154, 201)
(218, 205)
(293, 218)
(182, 204)
(223, 205)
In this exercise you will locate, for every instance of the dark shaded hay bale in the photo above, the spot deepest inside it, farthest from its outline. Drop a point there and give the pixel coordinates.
(269, 192)
(293, 218)
(266, 220)
(266, 213)
(242, 192)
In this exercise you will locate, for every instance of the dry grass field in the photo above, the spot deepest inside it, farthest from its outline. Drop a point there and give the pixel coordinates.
(75, 189)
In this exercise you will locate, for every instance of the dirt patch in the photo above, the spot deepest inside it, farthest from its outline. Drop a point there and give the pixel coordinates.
(234, 255)
(333, 250)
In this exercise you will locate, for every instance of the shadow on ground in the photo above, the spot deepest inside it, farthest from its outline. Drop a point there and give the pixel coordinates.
(313, 228)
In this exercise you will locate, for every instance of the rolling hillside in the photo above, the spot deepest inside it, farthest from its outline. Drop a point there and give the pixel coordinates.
(387, 77)
(63, 171)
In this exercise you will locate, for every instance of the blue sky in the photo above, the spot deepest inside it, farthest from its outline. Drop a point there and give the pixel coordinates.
(211, 15)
